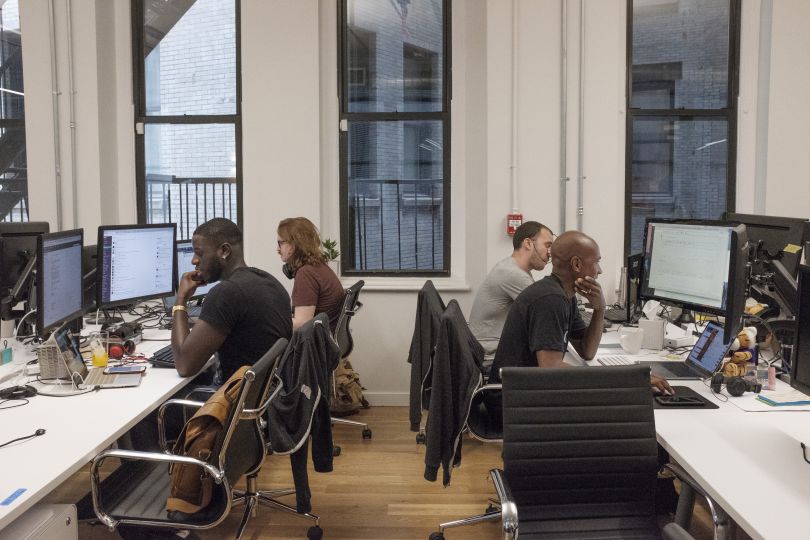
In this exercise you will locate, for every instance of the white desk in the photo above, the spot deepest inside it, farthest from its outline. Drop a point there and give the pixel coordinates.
(78, 428)
(750, 463)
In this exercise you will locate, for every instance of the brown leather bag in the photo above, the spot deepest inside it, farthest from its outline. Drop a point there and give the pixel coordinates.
(191, 487)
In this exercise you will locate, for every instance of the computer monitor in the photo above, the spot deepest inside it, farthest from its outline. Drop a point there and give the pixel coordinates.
(18, 247)
(89, 265)
(773, 238)
(697, 265)
(135, 262)
(59, 279)
(800, 361)
(185, 252)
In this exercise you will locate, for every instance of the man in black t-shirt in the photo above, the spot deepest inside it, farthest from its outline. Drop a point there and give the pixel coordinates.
(544, 317)
(241, 318)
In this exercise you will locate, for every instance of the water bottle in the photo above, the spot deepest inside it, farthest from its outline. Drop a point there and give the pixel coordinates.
(762, 373)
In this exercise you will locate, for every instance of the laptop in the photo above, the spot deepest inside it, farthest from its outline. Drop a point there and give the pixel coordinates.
(704, 359)
(82, 377)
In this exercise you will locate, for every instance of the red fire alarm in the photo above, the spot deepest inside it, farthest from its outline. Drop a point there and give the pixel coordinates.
(513, 221)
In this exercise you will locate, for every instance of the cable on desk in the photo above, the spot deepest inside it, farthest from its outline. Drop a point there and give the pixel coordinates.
(37, 433)
(2, 407)
(718, 395)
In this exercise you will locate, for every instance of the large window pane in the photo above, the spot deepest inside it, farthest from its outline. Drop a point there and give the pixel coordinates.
(13, 168)
(679, 170)
(396, 195)
(189, 52)
(681, 47)
(190, 174)
(394, 55)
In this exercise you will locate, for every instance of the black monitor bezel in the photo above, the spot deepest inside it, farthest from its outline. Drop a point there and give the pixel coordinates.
(41, 326)
(18, 229)
(798, 227)
(801, 315)
(735, 296)
(100, 304)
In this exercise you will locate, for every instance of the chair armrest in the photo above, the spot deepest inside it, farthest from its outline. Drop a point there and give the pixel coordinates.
(717, 513)
(509, 513)
(488, 388)
(250, 414)
(161, 418)
(95, 482)
(673, 531)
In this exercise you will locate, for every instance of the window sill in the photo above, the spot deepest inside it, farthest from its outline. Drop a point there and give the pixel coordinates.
(392, 284)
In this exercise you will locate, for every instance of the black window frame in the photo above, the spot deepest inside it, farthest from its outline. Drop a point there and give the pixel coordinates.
(729, 113)
(19, 124)
(346, 239)
(142, 118)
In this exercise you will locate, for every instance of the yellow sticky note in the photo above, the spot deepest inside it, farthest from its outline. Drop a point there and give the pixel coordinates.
(792, 248)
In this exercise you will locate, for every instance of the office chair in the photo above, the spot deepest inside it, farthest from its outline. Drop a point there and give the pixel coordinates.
(239, 451)
(429, 309)
(343, 337)
(580, 455)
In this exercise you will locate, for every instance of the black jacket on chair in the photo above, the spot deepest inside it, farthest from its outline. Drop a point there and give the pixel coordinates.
(456, 375)
(302, 406)
(429, 308)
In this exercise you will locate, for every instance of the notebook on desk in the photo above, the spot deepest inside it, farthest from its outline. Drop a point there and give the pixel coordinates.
(704, 359)
(82, 377)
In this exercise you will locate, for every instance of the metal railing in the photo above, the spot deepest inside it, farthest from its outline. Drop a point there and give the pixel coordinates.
(189, 202)
(396, 224)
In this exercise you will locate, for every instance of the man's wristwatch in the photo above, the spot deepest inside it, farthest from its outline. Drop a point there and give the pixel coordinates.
(175, 309)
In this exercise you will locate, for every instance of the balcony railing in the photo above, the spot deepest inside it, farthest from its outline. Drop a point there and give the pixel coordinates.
(189, 202)
(396, 224)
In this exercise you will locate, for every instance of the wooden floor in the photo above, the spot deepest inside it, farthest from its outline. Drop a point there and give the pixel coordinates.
(376, 490)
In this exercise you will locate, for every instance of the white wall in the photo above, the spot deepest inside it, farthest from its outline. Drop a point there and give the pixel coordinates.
(290, 133)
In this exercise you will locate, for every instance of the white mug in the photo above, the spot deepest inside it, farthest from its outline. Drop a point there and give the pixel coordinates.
(631, 338)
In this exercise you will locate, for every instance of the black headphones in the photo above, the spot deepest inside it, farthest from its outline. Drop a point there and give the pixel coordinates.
(735, 386)
(18, 392)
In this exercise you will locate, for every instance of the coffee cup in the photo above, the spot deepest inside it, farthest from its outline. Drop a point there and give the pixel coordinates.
(631, 339)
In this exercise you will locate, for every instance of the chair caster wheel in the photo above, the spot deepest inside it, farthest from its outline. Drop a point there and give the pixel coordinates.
(335, 451)
(420, 438)
(436, 536)
(315, 533)
(366, 434)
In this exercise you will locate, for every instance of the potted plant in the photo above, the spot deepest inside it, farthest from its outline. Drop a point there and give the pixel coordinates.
(330, 252)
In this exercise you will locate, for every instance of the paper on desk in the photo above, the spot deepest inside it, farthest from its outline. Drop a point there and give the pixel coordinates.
(749, 402)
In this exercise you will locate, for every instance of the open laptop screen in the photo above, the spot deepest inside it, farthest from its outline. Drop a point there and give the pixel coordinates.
(709, 351)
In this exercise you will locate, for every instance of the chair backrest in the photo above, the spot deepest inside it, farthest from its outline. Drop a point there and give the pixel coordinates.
(580, 442)
(240, 448)
(351, 304)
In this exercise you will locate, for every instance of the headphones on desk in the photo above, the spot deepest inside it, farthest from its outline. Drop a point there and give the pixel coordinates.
(18, 392)
(735, 386)
(118, 350)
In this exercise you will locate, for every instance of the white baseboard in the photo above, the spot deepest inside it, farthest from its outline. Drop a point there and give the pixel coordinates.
(387, 399)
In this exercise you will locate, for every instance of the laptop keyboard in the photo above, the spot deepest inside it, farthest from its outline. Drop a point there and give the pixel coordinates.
(163, 357)
(616, 360)
(616, 314)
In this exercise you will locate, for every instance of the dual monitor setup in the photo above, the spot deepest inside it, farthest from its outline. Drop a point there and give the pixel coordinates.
(60, 279)
(712, 267)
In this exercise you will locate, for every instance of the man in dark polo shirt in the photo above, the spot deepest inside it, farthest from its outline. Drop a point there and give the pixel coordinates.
(241, 318)
(545, 318)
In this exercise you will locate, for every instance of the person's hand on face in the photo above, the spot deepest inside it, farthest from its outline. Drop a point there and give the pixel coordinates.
(590, 289)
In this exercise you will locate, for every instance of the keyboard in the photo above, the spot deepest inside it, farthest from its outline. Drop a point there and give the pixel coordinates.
(616, 360)
(163, 357)
(616, 314)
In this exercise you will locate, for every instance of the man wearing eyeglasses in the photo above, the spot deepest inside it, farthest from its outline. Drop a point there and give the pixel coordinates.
(507, 279)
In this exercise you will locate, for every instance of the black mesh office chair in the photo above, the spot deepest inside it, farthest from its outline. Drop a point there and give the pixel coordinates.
(239, 451)
(343, 337)
(580, 454)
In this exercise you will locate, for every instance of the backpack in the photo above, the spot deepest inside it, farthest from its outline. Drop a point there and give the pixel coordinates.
(191, 489)
(347, 395)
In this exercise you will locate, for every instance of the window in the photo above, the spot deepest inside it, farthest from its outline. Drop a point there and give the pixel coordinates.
(395, 137)
(188, 111)
(682, 111)
(13, 170)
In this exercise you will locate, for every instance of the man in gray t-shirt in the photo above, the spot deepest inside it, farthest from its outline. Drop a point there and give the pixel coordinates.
(507, 279)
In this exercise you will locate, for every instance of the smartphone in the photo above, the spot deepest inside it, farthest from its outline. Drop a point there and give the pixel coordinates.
(679, 401)
(124, 369)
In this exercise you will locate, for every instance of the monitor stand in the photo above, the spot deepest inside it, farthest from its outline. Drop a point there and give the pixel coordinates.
(103, 316)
